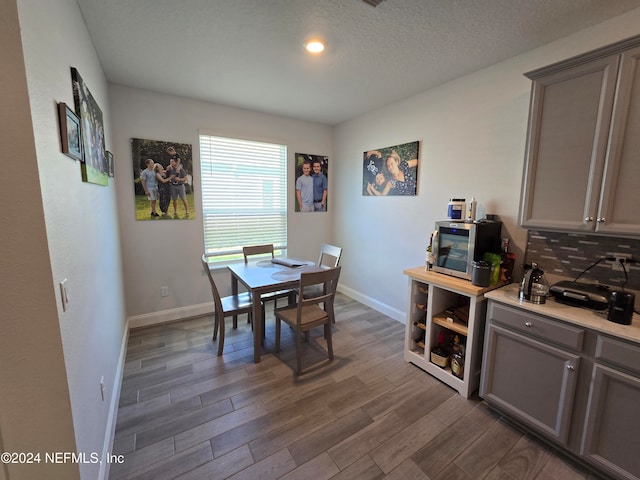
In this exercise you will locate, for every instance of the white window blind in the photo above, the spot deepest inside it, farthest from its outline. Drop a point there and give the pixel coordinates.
(244, 186)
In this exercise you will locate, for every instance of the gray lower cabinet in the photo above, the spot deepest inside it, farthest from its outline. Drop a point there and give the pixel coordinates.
(576, 387)
(611, 437)
(530, 380)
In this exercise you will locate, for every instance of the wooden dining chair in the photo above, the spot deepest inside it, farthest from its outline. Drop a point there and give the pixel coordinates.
(329, 255)
(231, 305)
(266, 250)
(308, 314)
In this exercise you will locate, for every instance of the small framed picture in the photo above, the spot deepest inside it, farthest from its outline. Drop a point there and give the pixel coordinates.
(110, 168)
(70, 132)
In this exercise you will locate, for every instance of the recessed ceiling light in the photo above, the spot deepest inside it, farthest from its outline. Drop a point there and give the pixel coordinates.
(315, 46)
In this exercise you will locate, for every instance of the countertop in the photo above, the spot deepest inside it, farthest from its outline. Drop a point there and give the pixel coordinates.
(456, 284)
(592, 319)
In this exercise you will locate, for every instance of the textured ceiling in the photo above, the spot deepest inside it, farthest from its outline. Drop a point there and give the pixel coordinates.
(248, 53)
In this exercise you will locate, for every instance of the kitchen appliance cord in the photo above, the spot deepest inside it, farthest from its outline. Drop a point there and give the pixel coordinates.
(575, 280)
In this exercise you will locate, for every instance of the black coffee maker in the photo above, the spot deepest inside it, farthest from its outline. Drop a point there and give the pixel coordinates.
(621, 306)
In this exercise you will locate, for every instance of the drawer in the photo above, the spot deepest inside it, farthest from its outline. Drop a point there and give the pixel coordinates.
(536, 325)
(618, 353)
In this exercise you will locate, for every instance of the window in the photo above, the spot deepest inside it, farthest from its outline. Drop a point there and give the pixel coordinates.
(244, 186)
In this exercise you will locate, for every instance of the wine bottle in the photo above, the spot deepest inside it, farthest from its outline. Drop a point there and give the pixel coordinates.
(457, 357)
(507, 262)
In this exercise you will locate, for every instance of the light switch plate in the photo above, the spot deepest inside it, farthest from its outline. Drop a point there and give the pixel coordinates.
(63, 295)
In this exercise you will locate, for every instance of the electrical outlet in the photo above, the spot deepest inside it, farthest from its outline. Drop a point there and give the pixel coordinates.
(617, 265)
(102, 388)
(164, 291)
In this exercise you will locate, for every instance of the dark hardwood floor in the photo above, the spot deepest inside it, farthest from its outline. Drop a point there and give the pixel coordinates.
(185, 413)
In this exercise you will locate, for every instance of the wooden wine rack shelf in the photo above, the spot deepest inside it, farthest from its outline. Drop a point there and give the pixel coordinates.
(453, 326)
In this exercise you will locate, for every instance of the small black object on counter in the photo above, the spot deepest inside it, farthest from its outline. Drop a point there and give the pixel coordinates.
(621, 307)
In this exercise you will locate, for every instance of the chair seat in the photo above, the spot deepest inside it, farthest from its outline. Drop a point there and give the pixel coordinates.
(234, 303)
(312, 316)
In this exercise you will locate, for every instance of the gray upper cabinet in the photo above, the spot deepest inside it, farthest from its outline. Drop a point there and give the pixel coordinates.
(582, 165)
(620, 201)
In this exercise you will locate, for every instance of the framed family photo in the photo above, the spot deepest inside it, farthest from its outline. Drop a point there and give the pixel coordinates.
(311, 186)
(391, 170)
(69, 132)
(94, 163)
(162, 179)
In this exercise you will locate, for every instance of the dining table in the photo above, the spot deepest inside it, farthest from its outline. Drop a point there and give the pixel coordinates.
(263, 277)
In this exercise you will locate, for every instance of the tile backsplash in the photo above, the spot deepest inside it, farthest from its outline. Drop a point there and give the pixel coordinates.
(568, 254)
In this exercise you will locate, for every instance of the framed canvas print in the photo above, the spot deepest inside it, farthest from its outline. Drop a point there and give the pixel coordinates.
(391, 170)
(69, 132)
(94, 164)
(162, 180)
(311, 187)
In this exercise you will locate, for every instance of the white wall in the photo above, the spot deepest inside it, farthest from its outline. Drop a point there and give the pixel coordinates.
(157, 253)
(81, 223)
(35, 409)
(472, 132)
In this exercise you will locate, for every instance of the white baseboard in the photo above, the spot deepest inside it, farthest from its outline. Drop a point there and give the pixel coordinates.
(171, 315)
(397, 315)
(110, 431)
(180, 313)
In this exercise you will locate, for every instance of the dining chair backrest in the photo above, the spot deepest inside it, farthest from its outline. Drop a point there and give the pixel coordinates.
(329, 255)
(257, 250)
(329, 279)
(214, 290)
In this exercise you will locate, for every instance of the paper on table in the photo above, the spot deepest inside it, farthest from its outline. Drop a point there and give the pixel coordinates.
(288, 262)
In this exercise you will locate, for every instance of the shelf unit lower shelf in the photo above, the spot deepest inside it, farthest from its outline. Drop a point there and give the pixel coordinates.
(442, 374)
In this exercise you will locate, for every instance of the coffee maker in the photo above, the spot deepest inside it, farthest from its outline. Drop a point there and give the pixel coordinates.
(621, 306)
(534, 287)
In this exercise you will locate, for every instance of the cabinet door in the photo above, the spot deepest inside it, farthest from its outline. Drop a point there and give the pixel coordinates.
(611, 436)
(620, 200)
(530, 380)
(567, 139)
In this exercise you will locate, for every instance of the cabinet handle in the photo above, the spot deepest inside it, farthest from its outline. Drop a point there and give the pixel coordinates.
(528, 324)
(571, 368)
(601, 220)
(588, 219)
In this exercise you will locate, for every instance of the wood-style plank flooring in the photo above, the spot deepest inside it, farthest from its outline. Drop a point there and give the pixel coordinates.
(187, 414)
